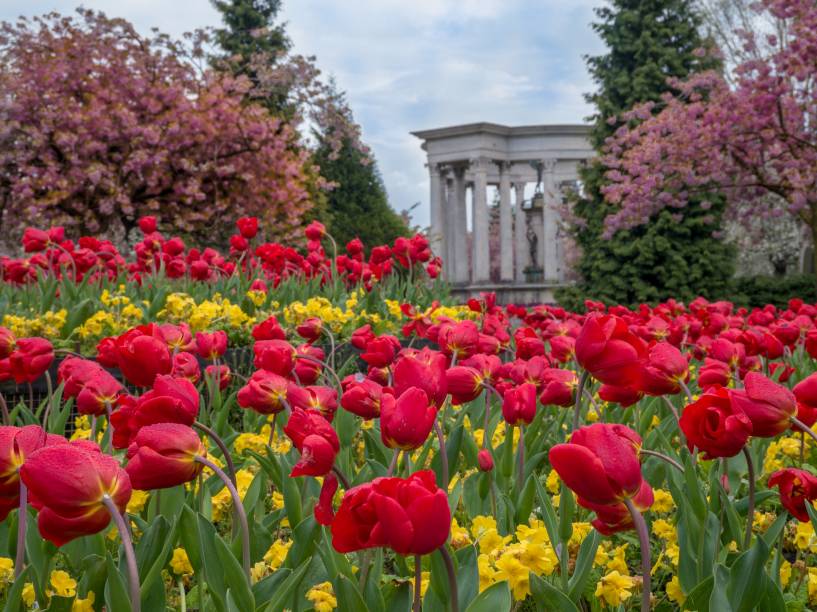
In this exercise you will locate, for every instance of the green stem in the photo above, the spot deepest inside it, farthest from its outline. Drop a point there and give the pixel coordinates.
(646, 563)
(750, 512)
(578, 406)
(452, 579)
(130, 556)
(228, 460)
(418, 583)
(22, 519)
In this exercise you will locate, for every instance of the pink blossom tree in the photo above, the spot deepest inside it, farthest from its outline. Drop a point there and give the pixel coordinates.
(99, 125)
(748, 139)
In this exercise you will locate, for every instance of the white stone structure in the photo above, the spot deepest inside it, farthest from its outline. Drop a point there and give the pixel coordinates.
(477, 156)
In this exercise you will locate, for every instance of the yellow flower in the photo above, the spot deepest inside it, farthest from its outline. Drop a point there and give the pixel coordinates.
(63, 584)
(675, 592)
(258, 571)
(84, 605)
(614, 588)
(6, 570)
(763, 520)
(276, 553)
(665, 530)
(518, 576)
(481, 524)
(322, 597)
(785, 573)
(181, 563)
(459, 535)
(803, 535)
(257, 297)
(601, 557)
(487, 574)
(553, 483)
(673, 553)
(663, 501)
(490, 540)
(812, 585)
(618, 562)
(790, 447)
(580, 531)
(137, 502)
(29, 594)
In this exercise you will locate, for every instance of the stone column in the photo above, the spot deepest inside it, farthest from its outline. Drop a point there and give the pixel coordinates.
(520, 240)
(505, 223)
(436, 225)
(550, 220)
(459, 228)
(481, 261)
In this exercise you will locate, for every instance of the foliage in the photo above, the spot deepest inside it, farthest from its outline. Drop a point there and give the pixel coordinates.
(358, 205)
(101, 125)
(670, 255)
(745, 141)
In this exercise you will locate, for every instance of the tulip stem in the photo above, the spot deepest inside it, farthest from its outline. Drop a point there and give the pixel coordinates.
(182, 596)
(802, 448)
(578, 406)
(5, 410)
(272, 430)
(228, 460)
(663, 457)
(130, 556)
(644, 541)
(443, 454)
(393, 464)
(452, 579)
(323, 364)
(22, 519)
(687, 392)
(750, 511)
(239, 511)
(418, 583)
(342, 477)
(803, 427)
(520, 472)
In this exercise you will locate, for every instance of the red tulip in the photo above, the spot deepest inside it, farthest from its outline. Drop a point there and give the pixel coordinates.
(7, 342)
(314, 437)
(411, 516)
(142, 358)
(324, 512)
(600, 463)
(16, 445)
(269, 329)
(519, 404)
(664, 371)
(361, 397)
(715, 424)
(308, 363)
(714, 374)
(562, 348)
(796, 488)
(558, 387)
(147, 224)
(623, 396)
(460, 339)
(221, 373)
(485, 461)
(768, 405)
(186, 365)
(211, 346)
(311, 329)
(315, 230)
(464, 383)
(380, 351)
(425, 369)
(99, 393)
(612, 518)
(30, 359)
(247, 227)
(406, 422)
(264, 392)
(314, 397)
(74, 373)
(177, 337)
(70, 481)
(277, 356)
(609, 351)
(361, 337)
(163, 455)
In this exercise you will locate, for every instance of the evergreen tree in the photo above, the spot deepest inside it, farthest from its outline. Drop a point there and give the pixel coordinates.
(358, 205)
(648, 41)
(250, 33)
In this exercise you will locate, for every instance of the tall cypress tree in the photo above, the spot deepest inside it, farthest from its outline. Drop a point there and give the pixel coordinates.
(675, 255)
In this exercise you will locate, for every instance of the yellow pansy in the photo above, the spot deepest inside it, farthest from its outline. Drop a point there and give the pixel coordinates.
(459, 535)
(63, 584)
(553, 482)
(137, 501)
(276, 553)
(618, 560)
(614, 588)
(518, 576)
(6, 569)
(812, 585)
(84, 605)
(322, 597)
(785, 573)
(180, 563)
(675, 592)
(663, 501)
(487, 574)
(29, 594)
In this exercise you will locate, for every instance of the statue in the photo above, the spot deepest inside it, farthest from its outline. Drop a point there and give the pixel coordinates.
(533, 242)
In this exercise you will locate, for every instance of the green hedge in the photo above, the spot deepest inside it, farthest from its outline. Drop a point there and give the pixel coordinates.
(746, 291)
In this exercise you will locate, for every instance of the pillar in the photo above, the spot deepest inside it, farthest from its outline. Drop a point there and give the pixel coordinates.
(481, 261)
(520, 239)
(459, 228)
(550, 220)
(436, 226)
(505, 223)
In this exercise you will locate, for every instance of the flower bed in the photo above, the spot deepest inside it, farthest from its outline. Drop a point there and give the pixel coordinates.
(655, 458)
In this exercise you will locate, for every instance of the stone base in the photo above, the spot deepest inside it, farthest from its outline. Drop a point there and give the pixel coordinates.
(522, 294)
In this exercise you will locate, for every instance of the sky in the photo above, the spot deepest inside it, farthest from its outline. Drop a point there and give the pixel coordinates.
(414, 64)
